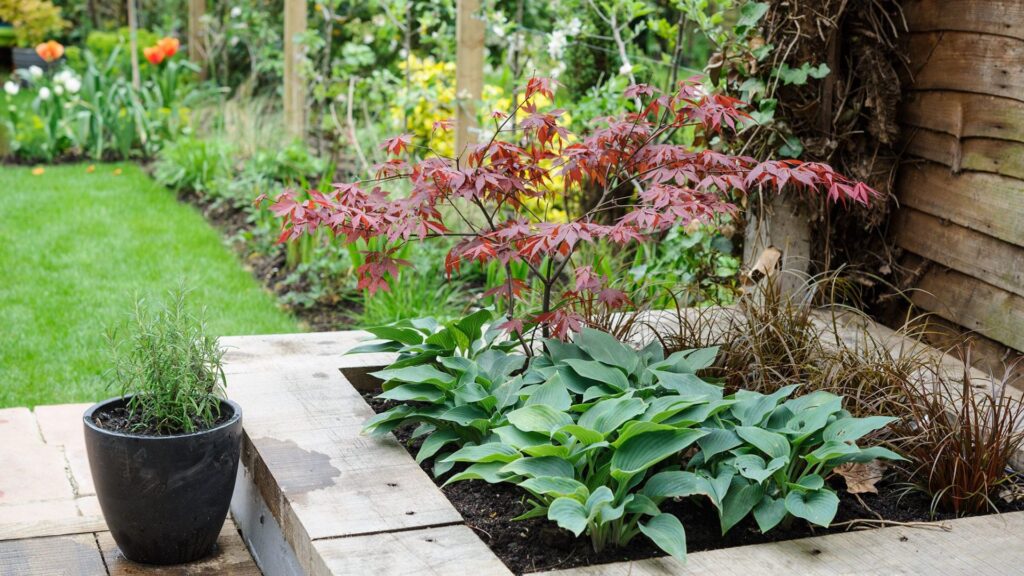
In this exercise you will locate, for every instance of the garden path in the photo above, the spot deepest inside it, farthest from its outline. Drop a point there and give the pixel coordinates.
(50, 520)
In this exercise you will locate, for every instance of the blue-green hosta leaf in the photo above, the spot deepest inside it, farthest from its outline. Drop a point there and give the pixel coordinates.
(743, 495)
(435, 442)
(441, 467)
(422, 374)
(641, 504)
(498, 366)
(831, 450)
(700, 413)
(387, 421)
(389, 346)
(638, 427)
(699, 358)
(753, 466)
(549, 450)
(557, 486)
(811, 401)
(472, 325)
(718, 440)
(584, 435)
(689, 385)
(642, 451)
(608, 513)
(574, 382)
(852, 429)
(550, 466)
(667, 533)
(539, 418)
(518, 439)
(809, 482)
(490, 452)
(771, 443)
(561, 351)
(721, 485)
(808, 421)
(407, 336)
(506, 394)
(568, 513)
(599, 391)
(552, 393)
(488, 472)
(678, 484)
(458, 364)
(817, 506)
(664, 407)
(594, 370)
(469, 393)
(423, 429)
(413, 392)
(867, 455)
(465, 415)
(603, 347)
(608, 415)
(753, 407)
(769, 512)
(597, 500)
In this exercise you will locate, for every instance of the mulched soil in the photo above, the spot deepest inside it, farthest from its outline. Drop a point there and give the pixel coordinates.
(120, 419)
(538, 544)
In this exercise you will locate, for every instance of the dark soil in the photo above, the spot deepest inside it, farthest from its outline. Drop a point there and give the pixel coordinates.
(537, 544)
(120, 419)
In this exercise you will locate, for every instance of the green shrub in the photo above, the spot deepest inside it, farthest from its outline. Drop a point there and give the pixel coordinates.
(194, 165)
(167, 362)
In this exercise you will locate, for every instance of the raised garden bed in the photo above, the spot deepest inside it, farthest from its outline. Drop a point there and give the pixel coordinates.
(317, 497)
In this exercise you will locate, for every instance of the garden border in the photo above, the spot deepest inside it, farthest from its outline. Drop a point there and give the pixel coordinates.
(315, 496)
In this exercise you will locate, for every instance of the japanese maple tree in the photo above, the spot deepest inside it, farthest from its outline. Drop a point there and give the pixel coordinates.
(646, 183)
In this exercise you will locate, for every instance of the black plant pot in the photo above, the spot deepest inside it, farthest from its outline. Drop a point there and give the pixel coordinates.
(164, 497)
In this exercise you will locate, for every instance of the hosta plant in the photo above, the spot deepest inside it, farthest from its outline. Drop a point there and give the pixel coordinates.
(769, 456)
(589, 468)
(454, 380)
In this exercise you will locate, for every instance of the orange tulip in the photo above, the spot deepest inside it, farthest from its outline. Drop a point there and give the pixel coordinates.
(50, 51)
(169, 46)
(154, 54)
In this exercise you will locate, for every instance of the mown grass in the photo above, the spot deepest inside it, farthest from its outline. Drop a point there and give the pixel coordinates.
(76, 249)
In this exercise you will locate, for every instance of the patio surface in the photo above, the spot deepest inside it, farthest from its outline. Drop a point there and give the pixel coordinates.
(50, 520)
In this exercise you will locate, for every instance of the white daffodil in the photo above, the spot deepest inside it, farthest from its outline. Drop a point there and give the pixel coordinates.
(35, 71)
(44, 93)
(73, 85)
(12, 88)
(58, 90)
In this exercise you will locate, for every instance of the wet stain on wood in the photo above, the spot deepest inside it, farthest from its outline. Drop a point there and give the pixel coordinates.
(297, 471)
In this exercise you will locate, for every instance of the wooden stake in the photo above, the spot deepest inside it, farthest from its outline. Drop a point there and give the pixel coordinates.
(469, 70)
(294, 86)
(133, 43)
(196, 50)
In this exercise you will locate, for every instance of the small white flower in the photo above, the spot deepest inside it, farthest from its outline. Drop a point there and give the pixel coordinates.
(557, 42)
(73, 85)
(35, 71)
(367, 38)
(11, 88)
(557, 70)
(574, 27)
(58, 90)
(236, 12)
(625, 69)
(44, 93)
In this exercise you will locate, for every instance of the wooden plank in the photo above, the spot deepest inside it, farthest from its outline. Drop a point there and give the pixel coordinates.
(988, 203)
(967, 154)
(54, 556)
(999, 17)
(434, 551)
(987, 355)
(973, 253)
(968, 63)
(231, 558)
(469, 70)
(294, 54)
(973, 304)
(320, 476)
(965, 115)
(61, 426)
(978, 545)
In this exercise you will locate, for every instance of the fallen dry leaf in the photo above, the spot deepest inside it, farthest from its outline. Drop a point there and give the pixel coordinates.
(39, 171)
(766, 263)
(861, 478)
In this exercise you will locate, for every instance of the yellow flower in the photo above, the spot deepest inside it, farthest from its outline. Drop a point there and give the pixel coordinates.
(117, 171)
(38, 171)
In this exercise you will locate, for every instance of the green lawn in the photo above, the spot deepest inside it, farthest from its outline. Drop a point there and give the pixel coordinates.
(75, 250)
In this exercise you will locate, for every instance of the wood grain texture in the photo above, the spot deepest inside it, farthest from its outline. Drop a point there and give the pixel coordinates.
(1001, 157)
(965, 115)
(973, 253)
(231, 558)
(999, 17)
(54, 556)
(980, 545)
(988, 203)
(971, 303)
(967, 62)
(447, 550)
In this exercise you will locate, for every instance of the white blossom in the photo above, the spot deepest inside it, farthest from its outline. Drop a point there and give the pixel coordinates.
(575, 26)
(58, 90)
(44, 93)
(236, 12)
(73, 85)
(557, 41)
(35, 71)
(11, 88)
(625, 69)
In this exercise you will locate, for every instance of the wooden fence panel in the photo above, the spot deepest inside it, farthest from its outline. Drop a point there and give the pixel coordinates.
(967, 62)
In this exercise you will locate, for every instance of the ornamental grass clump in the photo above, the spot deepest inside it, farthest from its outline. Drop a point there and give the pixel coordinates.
(169, 367)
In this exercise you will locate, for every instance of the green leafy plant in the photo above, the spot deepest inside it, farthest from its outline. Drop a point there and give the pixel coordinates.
(169, 366)
(769, 456)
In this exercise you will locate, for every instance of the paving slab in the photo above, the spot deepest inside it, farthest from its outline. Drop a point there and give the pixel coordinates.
(61, 425)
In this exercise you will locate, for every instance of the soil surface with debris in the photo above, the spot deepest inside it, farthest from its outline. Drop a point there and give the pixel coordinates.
(538, 544)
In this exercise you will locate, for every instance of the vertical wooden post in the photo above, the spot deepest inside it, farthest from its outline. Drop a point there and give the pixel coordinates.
(294, 85)
(133, 44)
(783, 222)
(469, 70)
(196, 51)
